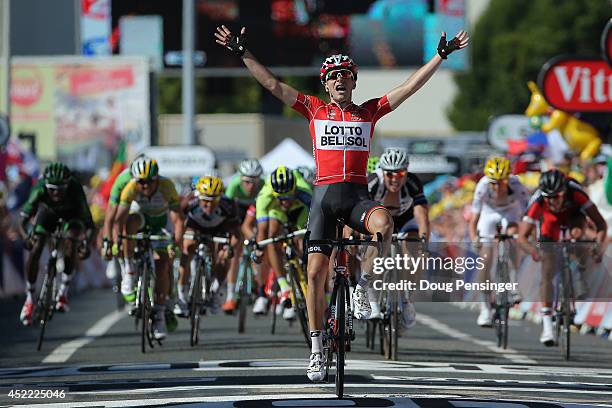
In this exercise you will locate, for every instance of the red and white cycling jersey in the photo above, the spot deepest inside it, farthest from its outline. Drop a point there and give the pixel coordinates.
(341, 137)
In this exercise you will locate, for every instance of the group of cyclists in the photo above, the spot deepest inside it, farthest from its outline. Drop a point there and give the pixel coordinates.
(373, 199)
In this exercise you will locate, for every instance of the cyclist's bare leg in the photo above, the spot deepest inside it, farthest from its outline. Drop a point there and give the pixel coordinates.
(34, 257)
(70, 255)
(546, 283)
(380, 221)
(275, 228)
(234, 262)
(318, 265)
(188, 251)
(132, 225)
(162, 284)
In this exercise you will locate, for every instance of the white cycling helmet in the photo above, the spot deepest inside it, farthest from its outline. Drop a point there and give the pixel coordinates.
(250, 168)
(144, 168)
(307, 172)
(393, 159)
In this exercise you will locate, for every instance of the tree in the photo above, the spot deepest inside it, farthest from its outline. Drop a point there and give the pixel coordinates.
(509, 45)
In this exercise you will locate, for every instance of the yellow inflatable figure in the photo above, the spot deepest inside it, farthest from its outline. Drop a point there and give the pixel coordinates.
(581, 137)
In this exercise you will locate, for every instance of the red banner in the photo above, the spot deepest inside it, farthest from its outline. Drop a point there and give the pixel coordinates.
(576, 84)
(100, 80)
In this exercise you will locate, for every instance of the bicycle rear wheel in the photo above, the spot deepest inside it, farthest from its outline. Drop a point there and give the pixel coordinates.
(300, 302)
(195, 305)
(340, 327)
(45, 302)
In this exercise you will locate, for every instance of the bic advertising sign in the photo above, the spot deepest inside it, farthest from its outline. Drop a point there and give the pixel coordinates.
(577, 84)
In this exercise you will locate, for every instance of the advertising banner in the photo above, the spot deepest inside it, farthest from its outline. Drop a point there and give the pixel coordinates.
(577, 84)
(96, 27)
(182, 161)
(78, 109)
(507, 127)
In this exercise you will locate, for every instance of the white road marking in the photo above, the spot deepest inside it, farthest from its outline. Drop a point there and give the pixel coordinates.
(63, 352)
(438, 326)
(262, 365)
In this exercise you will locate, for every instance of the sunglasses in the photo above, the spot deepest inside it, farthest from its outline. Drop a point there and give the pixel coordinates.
(395, 174)
(55, 187)
(209, 199)
(554, 197)
(145, 182)
(285, 198)
(339, 73)
(247, 180)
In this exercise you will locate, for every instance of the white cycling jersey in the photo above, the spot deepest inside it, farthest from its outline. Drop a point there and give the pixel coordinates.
(495, 210)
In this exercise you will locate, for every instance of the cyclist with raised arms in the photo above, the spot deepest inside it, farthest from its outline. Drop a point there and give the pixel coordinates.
(57, 195)
(559, 201)
(401, 192)
(341, 132)
(499, 198)
(155, 196)
(210, 214)
(283, 202)
(243, 188)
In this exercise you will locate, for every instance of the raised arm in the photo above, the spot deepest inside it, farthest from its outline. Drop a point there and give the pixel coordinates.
(237, 44)
(399, 94)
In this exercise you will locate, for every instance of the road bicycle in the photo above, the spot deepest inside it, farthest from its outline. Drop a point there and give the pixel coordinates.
(339, 331)
(202, 278)
(501, 302)
(297, 277)
(55, 266)
(145, 267)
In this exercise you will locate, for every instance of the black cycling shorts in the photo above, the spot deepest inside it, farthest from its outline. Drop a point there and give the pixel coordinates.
(349, 202)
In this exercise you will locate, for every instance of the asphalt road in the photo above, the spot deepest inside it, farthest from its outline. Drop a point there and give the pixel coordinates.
(93, 355)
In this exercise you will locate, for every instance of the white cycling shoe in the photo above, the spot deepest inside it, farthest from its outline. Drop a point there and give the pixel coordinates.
(547, 337)
(181, 309)
(485, 318)
(289, 313)
(363, 310)
(260, 306)
(376, 313)
(160, 331)
(408, 318)
(316, 367)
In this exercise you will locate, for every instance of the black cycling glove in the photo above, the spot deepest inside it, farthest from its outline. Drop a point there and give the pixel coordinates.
(445, 48)
(237, 44)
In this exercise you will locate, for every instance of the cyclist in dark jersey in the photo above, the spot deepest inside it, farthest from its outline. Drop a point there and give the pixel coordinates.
(57, 195)
(401, 192)
(341, 133)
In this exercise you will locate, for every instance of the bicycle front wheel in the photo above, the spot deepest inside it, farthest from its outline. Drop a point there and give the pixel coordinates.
(145, 310)
(194, 306)
(340, 328)
(243, 296)
(45, 302)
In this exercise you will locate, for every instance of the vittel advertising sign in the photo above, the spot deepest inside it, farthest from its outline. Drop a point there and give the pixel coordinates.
(577, 84)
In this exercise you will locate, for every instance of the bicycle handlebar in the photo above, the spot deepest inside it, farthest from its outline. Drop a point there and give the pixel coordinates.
(207, 238)
(298, 233)
(403, 236)
(142, 236)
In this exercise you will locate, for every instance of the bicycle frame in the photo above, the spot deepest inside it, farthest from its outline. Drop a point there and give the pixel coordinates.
(339, 323)
(55, 267)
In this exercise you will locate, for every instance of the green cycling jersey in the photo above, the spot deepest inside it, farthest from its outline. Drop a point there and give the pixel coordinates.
(268, 206)
(73, 204)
